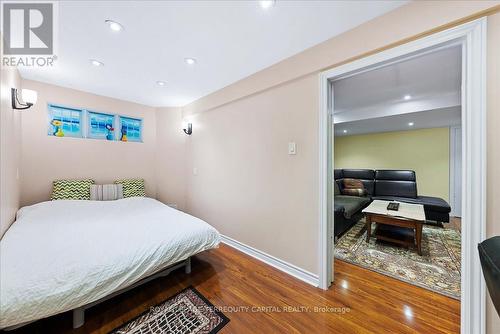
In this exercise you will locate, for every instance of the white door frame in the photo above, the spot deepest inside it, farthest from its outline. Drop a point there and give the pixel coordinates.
(455, 158)
(472, 36)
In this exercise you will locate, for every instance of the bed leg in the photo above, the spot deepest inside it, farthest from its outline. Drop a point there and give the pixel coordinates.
(78, 317)
(187, 268)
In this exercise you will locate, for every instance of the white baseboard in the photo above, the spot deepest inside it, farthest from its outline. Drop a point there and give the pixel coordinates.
(284, 266)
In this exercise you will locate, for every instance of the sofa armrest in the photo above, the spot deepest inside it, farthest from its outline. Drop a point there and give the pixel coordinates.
(339, 210)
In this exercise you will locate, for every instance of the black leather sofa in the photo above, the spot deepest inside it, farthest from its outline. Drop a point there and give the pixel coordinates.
(347, 210)
(345, 219)
(389, 185)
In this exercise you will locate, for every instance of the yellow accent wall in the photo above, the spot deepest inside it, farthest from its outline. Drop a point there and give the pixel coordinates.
(426, 151)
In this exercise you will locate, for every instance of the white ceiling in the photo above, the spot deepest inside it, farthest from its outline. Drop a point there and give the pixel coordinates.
(434, 73)
(229, 39)
(437, 118)
(374, 101)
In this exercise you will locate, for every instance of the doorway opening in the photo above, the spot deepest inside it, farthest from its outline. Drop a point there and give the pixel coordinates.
(392, 146)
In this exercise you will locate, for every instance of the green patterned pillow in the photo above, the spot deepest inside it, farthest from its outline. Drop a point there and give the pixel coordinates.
(71, 189)
(132, 187)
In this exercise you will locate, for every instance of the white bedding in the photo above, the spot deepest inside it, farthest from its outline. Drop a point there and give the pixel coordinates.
(60, 255)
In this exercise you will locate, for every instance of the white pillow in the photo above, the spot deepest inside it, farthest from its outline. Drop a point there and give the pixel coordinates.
(106, 192)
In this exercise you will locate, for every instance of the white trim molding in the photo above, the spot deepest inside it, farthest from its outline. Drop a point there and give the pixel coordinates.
(455, 168)
(279, 264)
(472, 37)
(473, 301)
(325, 236)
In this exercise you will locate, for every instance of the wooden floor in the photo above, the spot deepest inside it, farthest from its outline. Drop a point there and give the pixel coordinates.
(371, 303)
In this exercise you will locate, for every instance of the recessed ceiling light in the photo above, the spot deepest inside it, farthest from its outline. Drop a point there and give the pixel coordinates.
(407, 97)
(345, 131)
(411, 124)
(266, 4)
(190, 61)
(113, 25)
(161, 83)
(96, 62)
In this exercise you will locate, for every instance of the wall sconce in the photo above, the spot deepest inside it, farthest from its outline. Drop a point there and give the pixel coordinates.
(28, 97)
(187, 128)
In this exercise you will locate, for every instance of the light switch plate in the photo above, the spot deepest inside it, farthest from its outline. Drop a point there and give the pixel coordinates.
(195, 171)
(292, 148)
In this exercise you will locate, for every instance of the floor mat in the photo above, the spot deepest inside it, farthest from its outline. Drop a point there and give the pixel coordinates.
(438, 269)
(188, 312)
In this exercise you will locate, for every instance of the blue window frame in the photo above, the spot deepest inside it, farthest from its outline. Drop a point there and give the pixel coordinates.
(130, 129)
(101, 126)
(65, 122)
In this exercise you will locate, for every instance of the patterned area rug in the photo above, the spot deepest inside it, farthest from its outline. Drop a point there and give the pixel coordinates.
(185, 313)
(438, 269)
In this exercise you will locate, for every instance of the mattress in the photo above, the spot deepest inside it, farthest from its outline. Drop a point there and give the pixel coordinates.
(61, 255)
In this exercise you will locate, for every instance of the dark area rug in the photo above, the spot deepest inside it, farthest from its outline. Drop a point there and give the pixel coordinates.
(187, 312)
(438, 269)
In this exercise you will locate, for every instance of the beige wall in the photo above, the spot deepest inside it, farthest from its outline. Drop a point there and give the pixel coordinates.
(240, 147)
(47, 158)
(247, 185)
(170, 166)
(10, 150)
(426, 151)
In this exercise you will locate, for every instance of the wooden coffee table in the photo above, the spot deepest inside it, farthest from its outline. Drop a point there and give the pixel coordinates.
(409, 216)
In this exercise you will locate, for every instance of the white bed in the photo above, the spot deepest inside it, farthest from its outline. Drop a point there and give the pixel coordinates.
(62, 255)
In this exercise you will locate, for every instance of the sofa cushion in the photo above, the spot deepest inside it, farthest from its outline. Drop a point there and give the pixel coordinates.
(336, 189)
(429, 203)
(351, 204)
(400, 183)
(354, 192)
(353, 187)
(369, 186)
(337, 208)
(435, 203)
(339, 184)
(353, 184)
(395, 175)
(366, 174)
(337, 174)
(395, 188)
